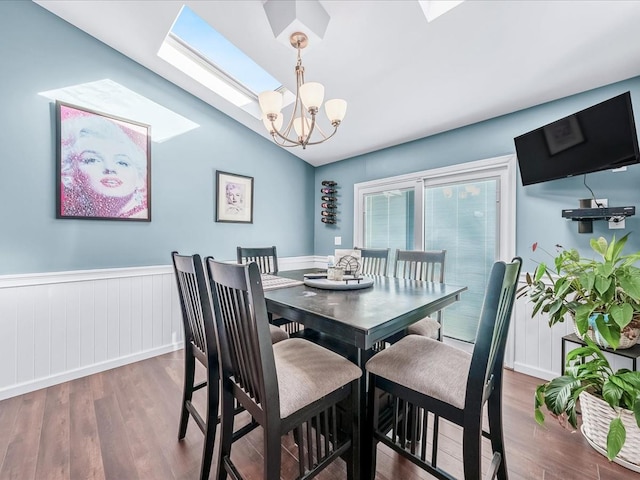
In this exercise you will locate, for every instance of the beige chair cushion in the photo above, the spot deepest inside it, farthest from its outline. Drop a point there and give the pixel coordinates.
(426, 366)
(277, 334)
(427, 327)
(308, 372)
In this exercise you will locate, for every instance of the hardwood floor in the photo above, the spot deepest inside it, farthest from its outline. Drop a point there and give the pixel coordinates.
(122, 424)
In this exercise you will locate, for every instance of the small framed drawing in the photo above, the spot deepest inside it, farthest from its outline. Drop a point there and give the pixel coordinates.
(234, 198)
(103, 166)
(563, 134)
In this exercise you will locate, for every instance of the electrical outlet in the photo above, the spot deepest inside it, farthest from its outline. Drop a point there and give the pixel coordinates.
(337, 240)
(599, 203)
(616, 223)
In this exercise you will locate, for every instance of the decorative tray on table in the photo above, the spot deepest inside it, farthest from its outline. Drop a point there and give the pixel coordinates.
(319, 274)
(348, 282)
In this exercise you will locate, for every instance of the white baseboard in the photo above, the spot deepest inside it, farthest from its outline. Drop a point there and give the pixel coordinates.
(45, 382)
(534, 372)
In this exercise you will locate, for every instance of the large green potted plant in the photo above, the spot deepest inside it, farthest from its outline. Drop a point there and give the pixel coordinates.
(610, 403)
(602, 296)
(603, 299)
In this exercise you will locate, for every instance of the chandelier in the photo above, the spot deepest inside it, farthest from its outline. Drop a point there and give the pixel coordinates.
(309, 97)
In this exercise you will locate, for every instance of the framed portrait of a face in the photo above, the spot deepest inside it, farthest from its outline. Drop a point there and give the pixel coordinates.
(234, 198)
(103, 166)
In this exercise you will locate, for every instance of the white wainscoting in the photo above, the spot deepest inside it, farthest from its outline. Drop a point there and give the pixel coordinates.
(538, 348)
(56, 327)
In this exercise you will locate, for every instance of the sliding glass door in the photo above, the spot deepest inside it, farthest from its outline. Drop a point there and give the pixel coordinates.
(461, 218)
(389, 216)
(467, 210)
(389, 219)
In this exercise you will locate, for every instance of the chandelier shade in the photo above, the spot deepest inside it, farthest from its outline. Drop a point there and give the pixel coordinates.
(270, 102)
(336, 109)
(301, 126)
(312, 95)
(301, 129)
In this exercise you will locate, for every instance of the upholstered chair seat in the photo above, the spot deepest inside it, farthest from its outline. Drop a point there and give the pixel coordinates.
(427, 327)
(277, 334)
(443, 370)
(303, 376)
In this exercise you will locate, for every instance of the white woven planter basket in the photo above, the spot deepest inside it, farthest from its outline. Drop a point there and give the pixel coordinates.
(596, 417)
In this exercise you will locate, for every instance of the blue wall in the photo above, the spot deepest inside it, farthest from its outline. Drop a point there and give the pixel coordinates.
(538, 206)
(40, 52)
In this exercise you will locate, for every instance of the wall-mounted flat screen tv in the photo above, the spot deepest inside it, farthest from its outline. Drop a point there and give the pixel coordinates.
(600, 137)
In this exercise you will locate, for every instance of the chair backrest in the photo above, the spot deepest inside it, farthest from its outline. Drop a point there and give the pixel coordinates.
(244, 340)
(265, 257)
(374, 261)
(197, 310)
(426, 265)
(485, 372)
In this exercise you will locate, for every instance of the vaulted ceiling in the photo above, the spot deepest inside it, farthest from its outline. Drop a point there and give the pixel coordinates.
(403, 77)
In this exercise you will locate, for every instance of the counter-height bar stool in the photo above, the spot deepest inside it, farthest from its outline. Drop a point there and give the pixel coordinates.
(424, 375)
(200, 344)
(374, 261)
(285, 387)
(267, 260)
(265, 257)
(428, 266)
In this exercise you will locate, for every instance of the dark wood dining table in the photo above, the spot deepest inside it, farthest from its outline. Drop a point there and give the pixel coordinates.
(351, 322)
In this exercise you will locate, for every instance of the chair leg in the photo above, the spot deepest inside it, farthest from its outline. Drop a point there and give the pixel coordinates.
(187, 391)
(471, 438)
(434, 444)
(298, 435)
(213, 395)
(272, 447)
(359, 445)
(226, 428)
(494, 411)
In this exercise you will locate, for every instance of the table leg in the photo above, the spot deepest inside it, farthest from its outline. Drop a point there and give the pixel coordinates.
(363, 460)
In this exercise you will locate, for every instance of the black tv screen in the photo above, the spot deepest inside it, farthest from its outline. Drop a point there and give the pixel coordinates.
(600, 137)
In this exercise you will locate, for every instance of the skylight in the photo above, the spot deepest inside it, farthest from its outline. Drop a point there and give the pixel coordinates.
(432, 9)
(200, 51)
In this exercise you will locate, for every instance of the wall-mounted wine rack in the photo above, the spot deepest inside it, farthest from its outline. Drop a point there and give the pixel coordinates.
(329, 202)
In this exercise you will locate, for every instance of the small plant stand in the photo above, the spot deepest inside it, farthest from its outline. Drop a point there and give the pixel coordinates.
(633, 352)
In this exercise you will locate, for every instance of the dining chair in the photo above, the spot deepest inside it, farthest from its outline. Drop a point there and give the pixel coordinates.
(265, 257)
(424, 375)
(374, 261)
(267, 260)
(428, 266)
(285, 386)
(200, 344)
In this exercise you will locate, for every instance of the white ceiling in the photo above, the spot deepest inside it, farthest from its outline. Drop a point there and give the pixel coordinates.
(402, 77)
